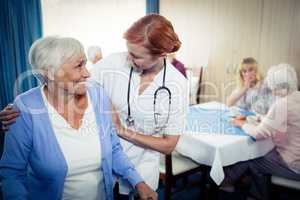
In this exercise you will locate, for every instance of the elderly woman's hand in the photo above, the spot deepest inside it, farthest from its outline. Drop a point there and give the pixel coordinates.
(239, 122)
(145, 192)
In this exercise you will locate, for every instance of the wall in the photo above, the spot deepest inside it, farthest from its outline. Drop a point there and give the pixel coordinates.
(217, 34)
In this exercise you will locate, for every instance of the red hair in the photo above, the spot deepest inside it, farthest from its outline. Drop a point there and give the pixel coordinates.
(154, 32)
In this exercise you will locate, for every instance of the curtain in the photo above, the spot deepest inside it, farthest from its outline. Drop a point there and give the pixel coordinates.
(20, 25)
(152, 6)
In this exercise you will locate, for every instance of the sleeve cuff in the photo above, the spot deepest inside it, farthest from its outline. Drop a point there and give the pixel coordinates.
(247, 128)
(134, 178)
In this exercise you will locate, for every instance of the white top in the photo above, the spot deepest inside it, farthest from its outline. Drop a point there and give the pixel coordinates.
(82, 152)
(218, 150)
(282, 124)
(257, 99)
(113, 73)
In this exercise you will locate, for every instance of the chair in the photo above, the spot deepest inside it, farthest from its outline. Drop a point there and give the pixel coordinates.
(277, 185)
(174, 167)
(283, 182)
(199, 86)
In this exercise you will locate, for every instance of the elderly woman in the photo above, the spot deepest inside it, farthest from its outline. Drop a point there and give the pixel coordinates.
(63, 144)
(281, 124)
(251, 93)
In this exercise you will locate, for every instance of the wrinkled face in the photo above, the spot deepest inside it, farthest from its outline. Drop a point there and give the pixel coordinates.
(280, 92)
(140, 57)
(72, 75)
(248, 72)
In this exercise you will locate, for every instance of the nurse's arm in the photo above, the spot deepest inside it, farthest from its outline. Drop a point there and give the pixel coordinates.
(165, 144)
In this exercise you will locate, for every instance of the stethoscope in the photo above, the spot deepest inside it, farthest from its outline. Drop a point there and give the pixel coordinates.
(130, 120)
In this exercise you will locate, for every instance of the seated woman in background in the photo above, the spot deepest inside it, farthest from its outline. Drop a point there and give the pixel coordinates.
(63, 145)
(251, 94)
(282, 125)
(177, 64)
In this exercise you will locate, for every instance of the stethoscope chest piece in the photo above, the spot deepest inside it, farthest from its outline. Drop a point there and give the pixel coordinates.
(130, 121)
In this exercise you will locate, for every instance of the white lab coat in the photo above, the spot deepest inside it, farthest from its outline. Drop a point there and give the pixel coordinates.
(113, 73)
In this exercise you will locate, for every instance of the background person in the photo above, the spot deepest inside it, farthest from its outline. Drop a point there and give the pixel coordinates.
(251, 93)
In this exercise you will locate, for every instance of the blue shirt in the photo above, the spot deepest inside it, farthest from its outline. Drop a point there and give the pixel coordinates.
(32, 165)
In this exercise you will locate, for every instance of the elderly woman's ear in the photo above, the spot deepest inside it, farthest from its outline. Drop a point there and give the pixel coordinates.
(45, 76)
(49, 75)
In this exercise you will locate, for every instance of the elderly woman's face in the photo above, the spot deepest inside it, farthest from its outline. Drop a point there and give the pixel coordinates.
(280, 92)
(72, 75)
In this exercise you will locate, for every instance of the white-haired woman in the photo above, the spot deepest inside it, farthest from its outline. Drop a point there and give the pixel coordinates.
(281, 124)
(94, 54)
(63, 145)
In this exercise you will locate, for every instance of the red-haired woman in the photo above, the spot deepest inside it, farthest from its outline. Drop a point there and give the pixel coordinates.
(148, 125)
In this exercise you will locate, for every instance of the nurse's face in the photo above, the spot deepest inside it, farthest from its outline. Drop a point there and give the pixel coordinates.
(141, 58)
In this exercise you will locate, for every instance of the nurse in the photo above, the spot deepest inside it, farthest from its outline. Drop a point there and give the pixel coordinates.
(149, 95)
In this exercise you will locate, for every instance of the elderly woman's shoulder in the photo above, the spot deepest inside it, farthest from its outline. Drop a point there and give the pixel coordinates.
(96, 90)
(29, 93)
(290, 100)
(28, 99)
(94, 86)
(295, 96)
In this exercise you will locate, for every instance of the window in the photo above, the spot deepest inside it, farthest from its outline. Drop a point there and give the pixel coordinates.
(92, 22)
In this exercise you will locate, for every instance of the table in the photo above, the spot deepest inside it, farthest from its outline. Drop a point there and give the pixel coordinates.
(219, 147)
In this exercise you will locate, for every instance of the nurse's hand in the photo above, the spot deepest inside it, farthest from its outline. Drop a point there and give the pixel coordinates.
(145, 192)
(7, 117)
(121, 130)
(115, 118)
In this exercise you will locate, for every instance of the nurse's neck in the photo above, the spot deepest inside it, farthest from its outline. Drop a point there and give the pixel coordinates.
(155, 69)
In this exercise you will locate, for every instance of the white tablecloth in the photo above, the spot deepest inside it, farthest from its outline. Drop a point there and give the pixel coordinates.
(219, 150)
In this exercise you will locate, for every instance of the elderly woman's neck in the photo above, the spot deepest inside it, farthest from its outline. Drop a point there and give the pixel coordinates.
(58, 97)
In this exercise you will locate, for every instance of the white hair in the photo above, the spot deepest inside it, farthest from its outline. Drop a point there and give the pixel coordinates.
(49, 53)
(92, 52)
(282, 76)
